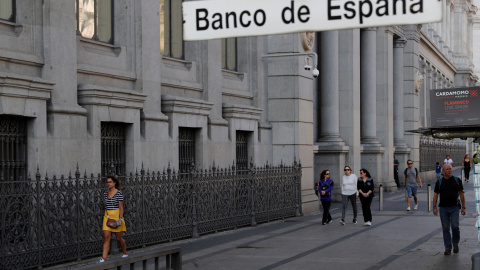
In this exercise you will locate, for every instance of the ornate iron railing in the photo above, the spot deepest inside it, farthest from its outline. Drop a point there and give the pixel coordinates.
(13, 147)
(45, 221)
(435, 150)
(241, 147)
(113, 147)
(186, 148)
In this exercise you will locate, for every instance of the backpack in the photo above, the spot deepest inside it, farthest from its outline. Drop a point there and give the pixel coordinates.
(416, 171)
(440, 182)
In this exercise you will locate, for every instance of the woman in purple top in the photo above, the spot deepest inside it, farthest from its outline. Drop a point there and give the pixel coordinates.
(325, 186)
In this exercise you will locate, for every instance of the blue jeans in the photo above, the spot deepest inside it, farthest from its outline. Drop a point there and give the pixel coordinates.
(450, 217)
(411, 191)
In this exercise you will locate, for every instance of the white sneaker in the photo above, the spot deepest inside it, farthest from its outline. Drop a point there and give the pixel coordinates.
(365, 224)
(416, 207)
(369, 223)
(408, 208)
(342, 222)
(101, 260)
(124, 255)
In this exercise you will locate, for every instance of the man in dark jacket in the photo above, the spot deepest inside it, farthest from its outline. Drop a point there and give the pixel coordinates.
(449, 188)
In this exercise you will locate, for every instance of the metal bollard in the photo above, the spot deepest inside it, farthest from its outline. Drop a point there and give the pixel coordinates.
(476, 261)
(429, 197)
(381, 197)
(462, 176)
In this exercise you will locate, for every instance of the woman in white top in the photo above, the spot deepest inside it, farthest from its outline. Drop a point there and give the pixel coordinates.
(349, 192)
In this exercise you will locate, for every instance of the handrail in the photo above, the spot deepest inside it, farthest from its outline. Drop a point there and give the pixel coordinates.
(173, 262)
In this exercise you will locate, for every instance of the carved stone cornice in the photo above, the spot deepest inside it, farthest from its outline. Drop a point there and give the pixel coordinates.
(89, 94)
(237, 111)
(14, 85)
(175, 104)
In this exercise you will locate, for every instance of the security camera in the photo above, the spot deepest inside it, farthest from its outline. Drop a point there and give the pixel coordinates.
(307, 67)
(315, 73)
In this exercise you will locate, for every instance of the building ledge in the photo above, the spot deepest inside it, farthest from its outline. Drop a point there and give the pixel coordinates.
(13, 85)
(241, 112)
(89, 94)
(175, 104)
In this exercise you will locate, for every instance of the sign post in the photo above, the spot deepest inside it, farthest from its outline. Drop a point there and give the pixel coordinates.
(225, 18)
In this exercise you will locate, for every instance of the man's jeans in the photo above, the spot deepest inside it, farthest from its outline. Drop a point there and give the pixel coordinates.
(450, 217)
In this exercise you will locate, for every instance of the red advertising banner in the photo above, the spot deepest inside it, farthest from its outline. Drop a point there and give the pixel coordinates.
(455, 107)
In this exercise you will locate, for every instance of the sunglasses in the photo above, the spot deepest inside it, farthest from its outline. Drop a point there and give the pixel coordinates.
(327, 174)
(361, 172)
(109, 182)
(346, 170)
(409, 163)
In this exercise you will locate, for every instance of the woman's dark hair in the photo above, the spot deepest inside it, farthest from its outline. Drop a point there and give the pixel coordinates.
(322, 175)
(366, 172)
(475, 155)
(118, 184)
(347, 167)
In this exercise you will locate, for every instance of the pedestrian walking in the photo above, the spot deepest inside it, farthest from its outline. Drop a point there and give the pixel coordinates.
(365, 187)
(449, 188)
(438, 170)
(448, 161)
(325, 189)
(349, 193)
(467, 165)
(113, 199)
(475, 159)
(411, 177)
(396, 164)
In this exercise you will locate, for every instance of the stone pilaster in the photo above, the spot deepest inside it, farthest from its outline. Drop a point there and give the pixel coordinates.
(290, 107)
(401, 148)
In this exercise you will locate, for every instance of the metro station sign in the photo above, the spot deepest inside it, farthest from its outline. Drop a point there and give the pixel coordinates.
(226, 18)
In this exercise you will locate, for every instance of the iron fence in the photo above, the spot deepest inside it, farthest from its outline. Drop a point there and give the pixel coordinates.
(44, 221)
(435, 150)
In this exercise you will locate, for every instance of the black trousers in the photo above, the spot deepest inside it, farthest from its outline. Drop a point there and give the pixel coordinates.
(366, 202)
(467, 173)
(326, 211)
(395, 176)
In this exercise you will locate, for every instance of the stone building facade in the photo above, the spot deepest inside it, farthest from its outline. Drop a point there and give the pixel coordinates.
(97, 82)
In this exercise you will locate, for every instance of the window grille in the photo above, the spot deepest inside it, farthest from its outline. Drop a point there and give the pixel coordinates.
(186, 148)
(113, 148)
(13, 147)
(242, 150)
(229, 53)
(7, 10)
(171, 28)
(94, 19)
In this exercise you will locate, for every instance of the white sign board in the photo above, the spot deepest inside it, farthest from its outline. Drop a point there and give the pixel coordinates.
(228, 18)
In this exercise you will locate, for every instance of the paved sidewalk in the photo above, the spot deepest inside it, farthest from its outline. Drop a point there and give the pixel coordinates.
(397, 240)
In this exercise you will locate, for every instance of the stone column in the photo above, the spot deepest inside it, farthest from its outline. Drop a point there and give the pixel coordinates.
(384, 111)
(372, 149)
(329, 131)
(368, 86)
(411, 101)
(330, 148)
(349, 89)
(401, 148)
